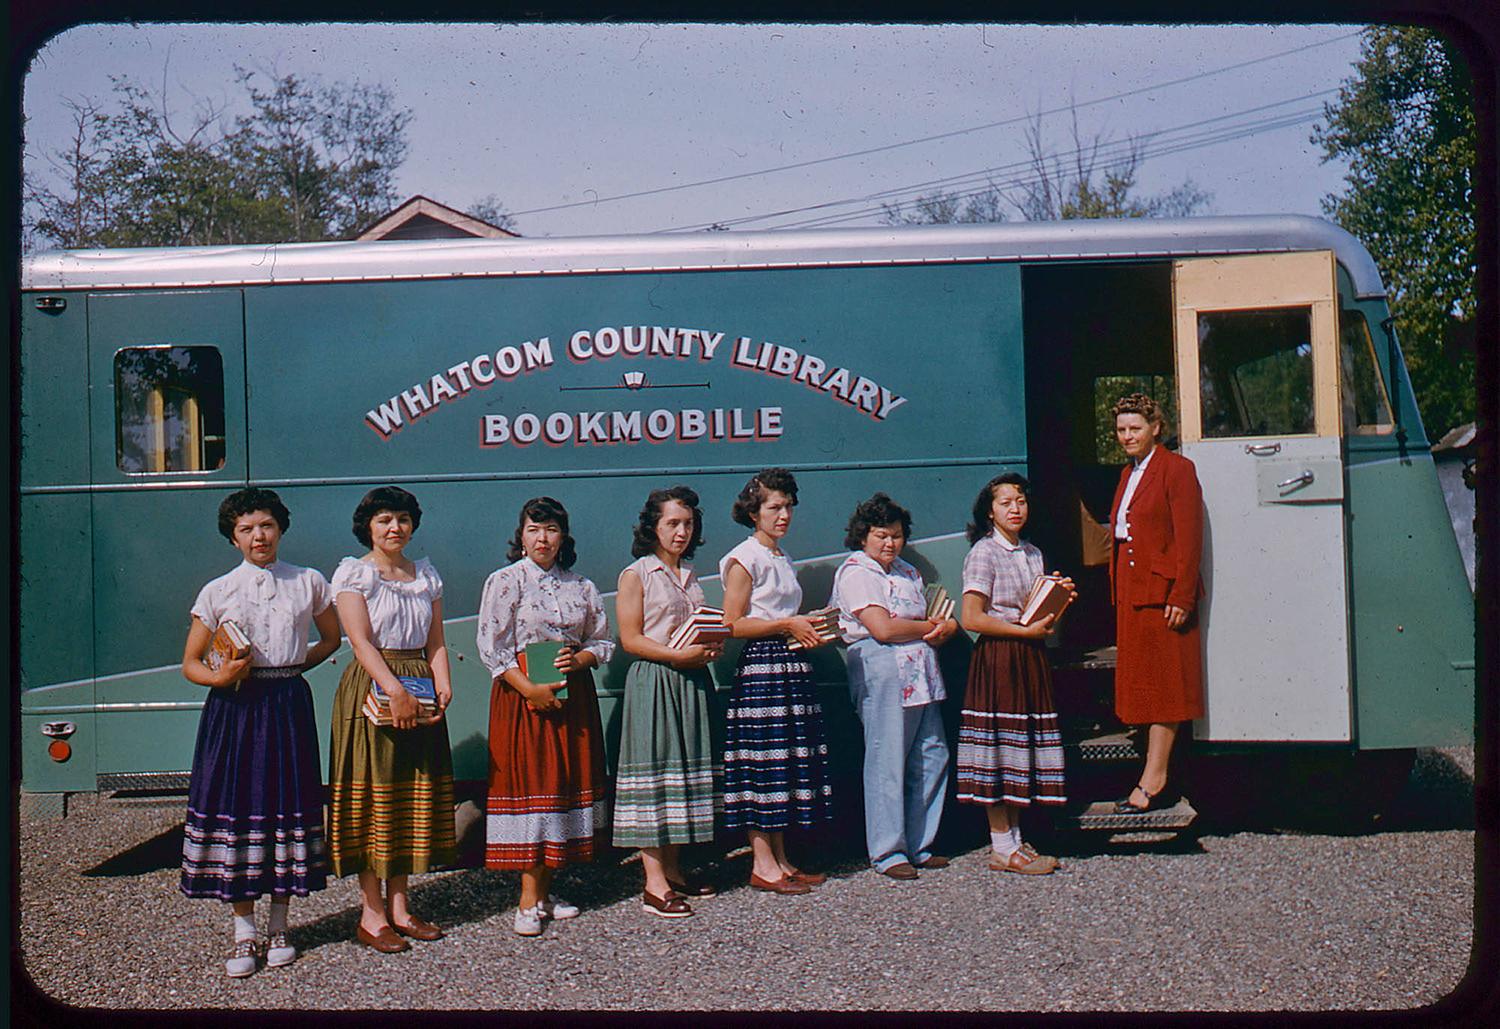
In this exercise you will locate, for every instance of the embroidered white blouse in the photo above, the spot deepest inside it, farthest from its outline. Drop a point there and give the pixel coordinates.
(274, 605)
(859, 583)
(667, 600)
(1003, 572)
(400, 612)
(523, 603)
(774, 589)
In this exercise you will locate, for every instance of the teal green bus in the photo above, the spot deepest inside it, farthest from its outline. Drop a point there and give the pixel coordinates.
(916, 360)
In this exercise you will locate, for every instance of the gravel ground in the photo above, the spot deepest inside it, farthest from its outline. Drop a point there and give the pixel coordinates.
(1316, 917)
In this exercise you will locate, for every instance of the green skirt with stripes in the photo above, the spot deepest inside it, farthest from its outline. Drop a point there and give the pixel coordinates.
(390, 804)
(667, 785)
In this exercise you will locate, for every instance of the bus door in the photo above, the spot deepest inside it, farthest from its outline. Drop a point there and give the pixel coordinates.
(1257, 371)
(167, 414)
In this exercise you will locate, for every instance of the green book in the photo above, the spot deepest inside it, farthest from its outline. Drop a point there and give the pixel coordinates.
(539, 664)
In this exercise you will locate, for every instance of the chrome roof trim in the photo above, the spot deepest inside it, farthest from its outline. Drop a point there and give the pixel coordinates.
(291, 263)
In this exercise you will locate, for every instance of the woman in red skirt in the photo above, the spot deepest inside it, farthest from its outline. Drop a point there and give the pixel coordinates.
(546, 790)
(1009, 748)
(1158, 529)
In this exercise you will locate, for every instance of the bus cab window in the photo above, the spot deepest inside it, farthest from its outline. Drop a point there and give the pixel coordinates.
(1367, 407)
(169, 409)
(1256, 372)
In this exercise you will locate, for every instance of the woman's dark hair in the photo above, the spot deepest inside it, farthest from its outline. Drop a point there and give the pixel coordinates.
(542, 510)
(644, 540)
(767, 480)
(384, 498)
(244, 501)
(1139, 403)
(983, 523)
(871, 514)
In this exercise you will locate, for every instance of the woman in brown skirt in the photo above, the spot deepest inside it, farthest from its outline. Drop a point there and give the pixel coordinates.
(390, 787)
(1009, 749)
(546, 791)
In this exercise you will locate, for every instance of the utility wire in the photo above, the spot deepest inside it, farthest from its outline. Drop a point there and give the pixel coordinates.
(929, 139)
(1151, 146)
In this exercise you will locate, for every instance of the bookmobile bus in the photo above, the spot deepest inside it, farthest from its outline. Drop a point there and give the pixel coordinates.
(919, 361)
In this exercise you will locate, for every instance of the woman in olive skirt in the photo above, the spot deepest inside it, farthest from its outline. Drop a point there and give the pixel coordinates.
(391, 787)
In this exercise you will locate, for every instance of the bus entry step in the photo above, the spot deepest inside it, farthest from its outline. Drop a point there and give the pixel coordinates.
(1101, 815)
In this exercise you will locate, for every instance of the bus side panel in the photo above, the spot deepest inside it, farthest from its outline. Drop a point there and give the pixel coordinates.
(1413, 614)
(56, 591)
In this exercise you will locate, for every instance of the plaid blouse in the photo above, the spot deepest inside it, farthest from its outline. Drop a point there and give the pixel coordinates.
(1003, 572)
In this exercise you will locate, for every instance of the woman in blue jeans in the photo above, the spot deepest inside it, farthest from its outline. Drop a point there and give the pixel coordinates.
(896, 687)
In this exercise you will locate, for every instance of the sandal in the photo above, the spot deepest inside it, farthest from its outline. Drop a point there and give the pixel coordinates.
(670, 906)
(1154, 801)
(1023, 864)
(1032, 853)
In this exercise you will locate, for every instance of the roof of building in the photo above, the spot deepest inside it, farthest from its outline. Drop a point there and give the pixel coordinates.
(937, 244)
(424, 218)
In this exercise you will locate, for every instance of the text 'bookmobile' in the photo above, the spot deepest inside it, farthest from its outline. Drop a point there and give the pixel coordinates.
(918, 361)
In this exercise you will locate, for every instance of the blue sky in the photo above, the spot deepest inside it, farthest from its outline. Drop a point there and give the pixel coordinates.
(557, 120)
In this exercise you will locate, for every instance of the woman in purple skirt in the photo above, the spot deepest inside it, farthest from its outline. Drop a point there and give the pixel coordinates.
(255, 802)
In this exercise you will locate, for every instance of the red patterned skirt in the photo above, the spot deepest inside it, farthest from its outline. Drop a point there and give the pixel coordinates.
(546, 789)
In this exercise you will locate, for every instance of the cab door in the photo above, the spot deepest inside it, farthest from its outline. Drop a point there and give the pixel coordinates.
(1257, 371)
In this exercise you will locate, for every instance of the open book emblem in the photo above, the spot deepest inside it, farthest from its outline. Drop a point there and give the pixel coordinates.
(634, 380)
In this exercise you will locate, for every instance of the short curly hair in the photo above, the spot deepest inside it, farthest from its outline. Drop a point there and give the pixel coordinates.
(767, 480)
(1141, 404)
(542, 510)
(983, 523)
(871, 514)
(644, 540)
(245, 501)
(384, 498)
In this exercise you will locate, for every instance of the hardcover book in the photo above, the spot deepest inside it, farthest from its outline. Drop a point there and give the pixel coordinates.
(705, 625)
(228, 643)
(825, 623)
(538, 662)
(1048, 596)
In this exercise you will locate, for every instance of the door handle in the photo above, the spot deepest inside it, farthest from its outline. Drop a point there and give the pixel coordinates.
(1304, 479)
(1262, 449)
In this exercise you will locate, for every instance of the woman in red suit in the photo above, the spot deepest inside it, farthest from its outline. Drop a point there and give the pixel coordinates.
(1157, 517)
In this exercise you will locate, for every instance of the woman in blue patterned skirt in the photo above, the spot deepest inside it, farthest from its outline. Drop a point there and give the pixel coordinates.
(255, 799)
(775, 757)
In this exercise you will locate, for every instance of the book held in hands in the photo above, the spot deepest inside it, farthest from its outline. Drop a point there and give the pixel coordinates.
(229, 643)
(825, 622)
(704, 625)
(939, 604)
(377, 706)
(538, 662)
(1048, 596)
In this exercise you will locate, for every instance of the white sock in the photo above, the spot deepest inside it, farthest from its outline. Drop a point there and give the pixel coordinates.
(277, 922)
(244, 927)
(1001, 842)
(1015, 838)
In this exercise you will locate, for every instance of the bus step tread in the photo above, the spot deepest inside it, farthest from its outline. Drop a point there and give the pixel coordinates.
(1110, 746)
(1101, 815)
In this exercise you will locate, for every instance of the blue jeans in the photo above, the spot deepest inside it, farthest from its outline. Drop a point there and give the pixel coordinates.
(906, 760)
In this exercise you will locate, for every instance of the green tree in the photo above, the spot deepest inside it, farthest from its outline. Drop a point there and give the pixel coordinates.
(1405, 125)
(309, 162)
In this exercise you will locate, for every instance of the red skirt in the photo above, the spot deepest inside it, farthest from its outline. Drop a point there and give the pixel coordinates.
(546, 788)
(1158, 671)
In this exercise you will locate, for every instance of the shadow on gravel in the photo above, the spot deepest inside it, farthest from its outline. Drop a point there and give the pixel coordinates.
(163, 850)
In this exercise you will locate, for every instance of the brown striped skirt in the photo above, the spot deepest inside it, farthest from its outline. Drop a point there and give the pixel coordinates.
(1009, 746)
(390, 790)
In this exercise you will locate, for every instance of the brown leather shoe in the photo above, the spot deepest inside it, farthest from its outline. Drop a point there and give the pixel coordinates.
(934, 861)
(810, 878)
(786, 885)
(386, 941)
(902, 870)
(1024, 863)
(670, 906)
(692, 889)
(417, 929)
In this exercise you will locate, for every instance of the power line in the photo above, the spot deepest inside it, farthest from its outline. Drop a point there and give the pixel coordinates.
(933, 138)
(1153, 146)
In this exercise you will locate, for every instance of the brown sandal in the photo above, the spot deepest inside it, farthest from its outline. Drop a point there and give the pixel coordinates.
(670, 906)
(1022, 864)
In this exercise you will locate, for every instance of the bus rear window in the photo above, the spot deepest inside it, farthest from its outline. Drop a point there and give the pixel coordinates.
(169, 409)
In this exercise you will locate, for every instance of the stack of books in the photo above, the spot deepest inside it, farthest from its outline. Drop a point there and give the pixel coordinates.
(378, 706)
(706, 625)
(229, 643)
(939, 604)
(1048, 596)
(825, 622)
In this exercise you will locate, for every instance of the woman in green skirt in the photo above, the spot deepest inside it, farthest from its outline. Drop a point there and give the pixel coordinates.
(391, 787)
(665, 790)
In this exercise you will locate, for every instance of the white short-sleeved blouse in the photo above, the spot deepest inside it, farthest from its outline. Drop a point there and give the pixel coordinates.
(774, 589)
(1003, 572)
(667, 599)
(524, 603)
(400, 612)
(274, 606)
(859, 583)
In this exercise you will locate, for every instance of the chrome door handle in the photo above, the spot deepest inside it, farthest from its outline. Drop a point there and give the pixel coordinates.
(1262, 449)
(1297, 480)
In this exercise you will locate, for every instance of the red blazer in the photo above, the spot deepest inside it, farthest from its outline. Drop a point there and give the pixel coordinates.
(1159, 563)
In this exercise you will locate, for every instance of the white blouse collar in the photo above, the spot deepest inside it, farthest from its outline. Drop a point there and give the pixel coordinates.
(536, 571)
(1005, 544)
